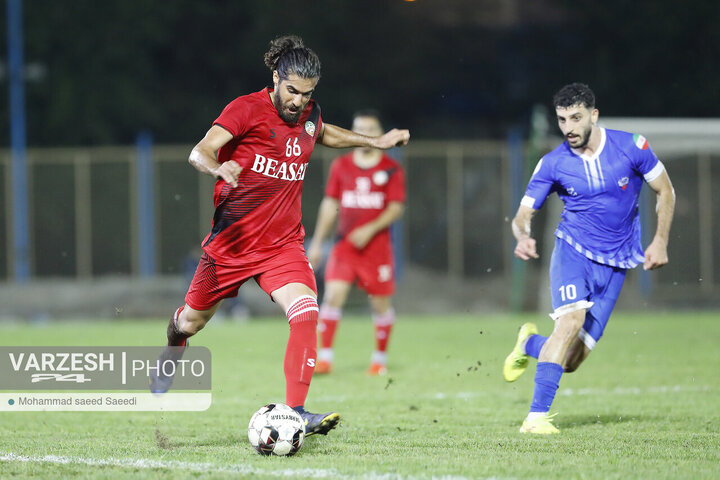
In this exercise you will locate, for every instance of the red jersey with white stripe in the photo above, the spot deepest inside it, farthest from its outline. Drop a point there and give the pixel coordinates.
(263, 212)
(363, 193)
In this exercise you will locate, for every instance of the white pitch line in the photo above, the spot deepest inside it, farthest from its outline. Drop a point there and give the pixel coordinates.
(566, 392)
(150, 464)
(635, 390)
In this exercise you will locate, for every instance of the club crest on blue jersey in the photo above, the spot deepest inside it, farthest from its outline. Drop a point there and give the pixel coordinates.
(621, 159)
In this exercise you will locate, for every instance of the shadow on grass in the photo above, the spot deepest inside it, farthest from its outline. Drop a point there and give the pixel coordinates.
(312, 446)
(571, 421)
(166, 443)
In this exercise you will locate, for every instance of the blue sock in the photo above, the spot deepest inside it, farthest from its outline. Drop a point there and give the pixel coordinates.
(534, 344)
(547, 379)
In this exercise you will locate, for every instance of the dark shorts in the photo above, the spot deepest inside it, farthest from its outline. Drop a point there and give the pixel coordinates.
(213, 282)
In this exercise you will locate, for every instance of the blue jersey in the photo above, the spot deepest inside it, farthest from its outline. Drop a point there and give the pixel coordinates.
(600, 219)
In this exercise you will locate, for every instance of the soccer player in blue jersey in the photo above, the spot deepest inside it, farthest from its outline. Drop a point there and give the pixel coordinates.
(598, 174)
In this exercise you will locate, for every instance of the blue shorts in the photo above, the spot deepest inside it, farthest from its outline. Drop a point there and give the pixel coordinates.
(575, 280)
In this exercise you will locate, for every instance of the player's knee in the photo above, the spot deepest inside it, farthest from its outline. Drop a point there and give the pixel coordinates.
(569, 325)
(380, 305)
(191, 321)
(333, 301)
(334, 298)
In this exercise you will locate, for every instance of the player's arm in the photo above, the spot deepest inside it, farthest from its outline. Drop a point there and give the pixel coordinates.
(337, 137)
(204, 156)
(362, 235)
(656, 254)
(326, 219)
(526, 247)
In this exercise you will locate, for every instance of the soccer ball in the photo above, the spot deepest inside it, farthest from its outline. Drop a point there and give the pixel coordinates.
(276, 429)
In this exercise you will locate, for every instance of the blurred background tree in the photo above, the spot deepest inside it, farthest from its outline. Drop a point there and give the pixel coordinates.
(451, 69)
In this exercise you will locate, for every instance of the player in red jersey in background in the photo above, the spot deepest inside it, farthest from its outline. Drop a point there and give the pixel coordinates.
(258, 149)
(366, 193)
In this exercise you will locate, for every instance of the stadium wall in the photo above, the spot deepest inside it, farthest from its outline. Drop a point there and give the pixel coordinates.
(84, 223)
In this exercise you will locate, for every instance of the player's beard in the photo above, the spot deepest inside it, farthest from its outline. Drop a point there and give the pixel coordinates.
(585, 138)
(286, 116)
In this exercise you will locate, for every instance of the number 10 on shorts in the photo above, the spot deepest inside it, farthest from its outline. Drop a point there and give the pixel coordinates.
(568, 292)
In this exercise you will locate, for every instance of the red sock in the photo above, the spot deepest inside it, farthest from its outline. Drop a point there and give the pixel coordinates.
(383, 326)
(176, 338)
(301, 349)
(329, 318)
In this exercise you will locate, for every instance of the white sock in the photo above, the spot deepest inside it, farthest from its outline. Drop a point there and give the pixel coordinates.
(379, 357)
(326, 355)
(523, 346)
(533, 415)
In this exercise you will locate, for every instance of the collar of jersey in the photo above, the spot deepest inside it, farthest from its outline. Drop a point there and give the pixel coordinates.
(268, 95)
(598, 151)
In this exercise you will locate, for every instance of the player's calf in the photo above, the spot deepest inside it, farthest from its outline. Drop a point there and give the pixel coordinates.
(187, 321)
(576, 355)
(176, 337)
(383, 323)
(328, 322)
(567, 328)
(161, 378)
(301, 351)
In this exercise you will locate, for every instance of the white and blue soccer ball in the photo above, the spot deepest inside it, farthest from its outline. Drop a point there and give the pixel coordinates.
(276, 429)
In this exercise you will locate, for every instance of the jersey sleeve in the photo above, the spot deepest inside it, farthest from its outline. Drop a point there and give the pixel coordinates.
(333, 188)
(319, 125)
(396, 186)
(234, 117)
(540, 185)
(645, 162)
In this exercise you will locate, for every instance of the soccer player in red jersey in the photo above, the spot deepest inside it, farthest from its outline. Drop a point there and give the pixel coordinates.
(366, 193)
(258, 149)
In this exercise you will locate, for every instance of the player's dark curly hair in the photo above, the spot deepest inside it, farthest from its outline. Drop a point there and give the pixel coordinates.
(288, 54)
(574, 94)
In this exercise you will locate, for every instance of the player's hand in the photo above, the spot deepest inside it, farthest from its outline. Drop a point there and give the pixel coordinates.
(361, 236)
(314, 254)
(228, 171)
(656, 255)
(526, 249)
(392, 138)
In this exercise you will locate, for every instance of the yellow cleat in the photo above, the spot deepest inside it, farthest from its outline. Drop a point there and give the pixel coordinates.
(540, 425)
(517, 361)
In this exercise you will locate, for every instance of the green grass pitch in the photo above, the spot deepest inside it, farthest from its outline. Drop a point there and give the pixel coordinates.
(644, 405)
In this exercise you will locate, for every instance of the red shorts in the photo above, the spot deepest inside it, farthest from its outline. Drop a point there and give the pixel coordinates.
(373, 269)
(213, 282)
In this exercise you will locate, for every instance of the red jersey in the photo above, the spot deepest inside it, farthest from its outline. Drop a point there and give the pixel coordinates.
(263, 212)
(363, 194)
